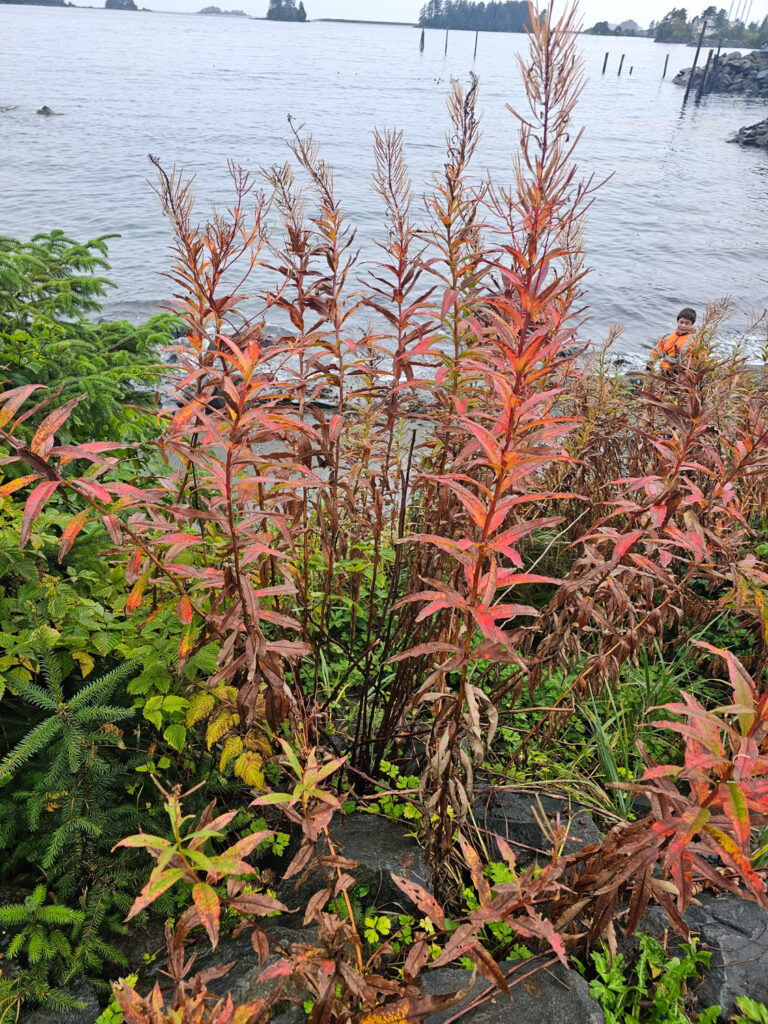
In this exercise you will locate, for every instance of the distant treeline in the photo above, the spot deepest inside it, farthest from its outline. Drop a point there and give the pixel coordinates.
(494, 16)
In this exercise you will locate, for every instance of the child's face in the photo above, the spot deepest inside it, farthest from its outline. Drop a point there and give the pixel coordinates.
(684, 325)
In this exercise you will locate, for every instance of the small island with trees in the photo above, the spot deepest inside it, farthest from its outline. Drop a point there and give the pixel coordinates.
(227, 14)
(286, 10)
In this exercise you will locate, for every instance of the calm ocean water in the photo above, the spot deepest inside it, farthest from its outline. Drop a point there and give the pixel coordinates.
(683, 220)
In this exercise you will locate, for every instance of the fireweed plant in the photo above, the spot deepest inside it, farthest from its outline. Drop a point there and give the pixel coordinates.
(378, 541)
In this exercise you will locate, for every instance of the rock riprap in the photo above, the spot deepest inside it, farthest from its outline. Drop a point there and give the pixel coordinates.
(737, 73)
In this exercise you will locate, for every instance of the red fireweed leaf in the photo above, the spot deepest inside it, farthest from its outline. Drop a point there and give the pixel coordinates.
(426, 903)
(34, 506)
(626, 542)
(435, 647)
(112, 523)
(744, 692)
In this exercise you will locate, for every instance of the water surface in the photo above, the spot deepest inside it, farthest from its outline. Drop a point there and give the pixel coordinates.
(682, 220)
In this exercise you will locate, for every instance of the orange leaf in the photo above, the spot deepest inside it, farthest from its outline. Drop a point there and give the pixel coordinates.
(133, 568)
(207, 903)
(11, 401)
(15, 485)
(73, 527)
(184, 610)
(134, 598)
(42, 442)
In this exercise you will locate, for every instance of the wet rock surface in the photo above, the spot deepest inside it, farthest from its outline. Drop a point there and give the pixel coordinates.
(548, 996)
(735, 932)
(517, 818)
(381, 848)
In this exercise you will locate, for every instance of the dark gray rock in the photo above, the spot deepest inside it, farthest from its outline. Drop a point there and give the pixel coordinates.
(82, 990)
(513, 816)
(735, 932)
(47, 112)
(380, 847)
(241, 980)
(734, 73)
(551, 996)
(753, 134)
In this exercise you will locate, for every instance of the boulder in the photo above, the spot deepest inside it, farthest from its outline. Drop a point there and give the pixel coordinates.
(735, 932)
(551, 996)
(515, 817)
(380, 847)
(242, 978)
(753, 134)
(46, 112)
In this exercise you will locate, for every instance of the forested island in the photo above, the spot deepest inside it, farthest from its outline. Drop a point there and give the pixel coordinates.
(496, 16)
(227, 14)
(286, 10)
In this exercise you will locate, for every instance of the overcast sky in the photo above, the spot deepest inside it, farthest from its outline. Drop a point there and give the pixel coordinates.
(642, 11)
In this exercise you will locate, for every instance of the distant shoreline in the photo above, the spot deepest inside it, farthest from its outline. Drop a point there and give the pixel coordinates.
(362, 21)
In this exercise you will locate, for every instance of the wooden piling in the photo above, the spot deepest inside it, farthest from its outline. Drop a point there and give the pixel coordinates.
(605, 62)
(632, 68)
(703, 83)
(446, 43)
(666, 65)
(421, 42)
(621, 62)
(695, 62)
(477, 33)
(715, 68)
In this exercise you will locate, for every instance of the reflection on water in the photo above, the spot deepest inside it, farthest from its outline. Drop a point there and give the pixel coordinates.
(682, 220)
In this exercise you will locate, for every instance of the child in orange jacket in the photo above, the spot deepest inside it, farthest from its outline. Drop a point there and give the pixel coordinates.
(671, 348)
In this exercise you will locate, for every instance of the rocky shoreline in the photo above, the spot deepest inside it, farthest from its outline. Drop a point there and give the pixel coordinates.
(736, 73)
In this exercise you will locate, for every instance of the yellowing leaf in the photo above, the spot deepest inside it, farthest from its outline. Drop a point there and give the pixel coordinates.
(231, 748)
(220, 725)
(201, 705)
(249, 767)
(85, 661)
